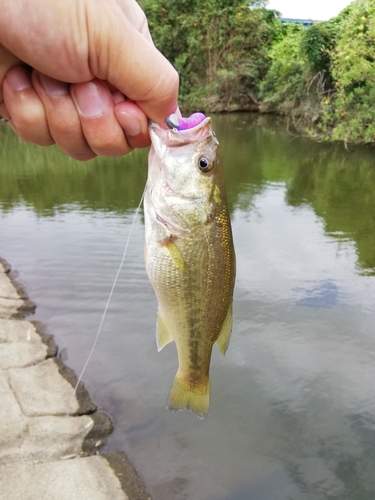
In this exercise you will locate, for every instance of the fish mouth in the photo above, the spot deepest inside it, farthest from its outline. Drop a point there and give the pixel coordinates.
(184, 133)
(166, 137)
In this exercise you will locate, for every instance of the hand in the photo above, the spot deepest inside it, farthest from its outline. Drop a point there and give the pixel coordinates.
(83, 74)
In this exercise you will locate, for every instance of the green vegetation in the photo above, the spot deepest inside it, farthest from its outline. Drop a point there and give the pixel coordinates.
(348, 114)
(236, 55)
(219, 48)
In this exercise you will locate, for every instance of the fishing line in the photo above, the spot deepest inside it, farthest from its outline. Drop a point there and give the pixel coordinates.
(107, 304)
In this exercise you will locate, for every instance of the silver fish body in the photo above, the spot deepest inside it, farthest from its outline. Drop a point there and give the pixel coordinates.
(189, 255)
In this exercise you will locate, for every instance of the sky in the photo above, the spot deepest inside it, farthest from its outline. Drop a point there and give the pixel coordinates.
(319, 10)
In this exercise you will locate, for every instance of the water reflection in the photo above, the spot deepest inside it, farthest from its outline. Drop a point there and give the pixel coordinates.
(336, 183)
(322, 294)
(47, 181)
(293, 402)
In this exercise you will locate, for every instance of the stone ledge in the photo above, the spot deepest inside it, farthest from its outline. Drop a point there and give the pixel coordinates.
(12, 423)
(21, 344)
(128, 476)
(43, 389)
(46, 338)
(14, 301)
(27, 345)
(85, 405)
(101, 428)
(45, 439)
(77, 479)
(44, 454)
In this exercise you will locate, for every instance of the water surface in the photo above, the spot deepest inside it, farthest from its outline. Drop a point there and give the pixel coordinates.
(292, 413)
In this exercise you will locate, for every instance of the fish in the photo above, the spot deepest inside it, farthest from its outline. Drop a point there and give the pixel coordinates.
(189, 253)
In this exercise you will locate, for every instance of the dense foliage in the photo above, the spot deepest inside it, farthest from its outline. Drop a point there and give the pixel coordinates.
(237, 55)
(219, 48)
(284, 84)
(349, 113)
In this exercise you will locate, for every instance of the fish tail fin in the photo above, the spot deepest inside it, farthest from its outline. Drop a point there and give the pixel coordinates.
(186, 396)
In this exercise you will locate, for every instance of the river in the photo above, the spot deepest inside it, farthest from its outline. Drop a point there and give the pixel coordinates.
(292, 414)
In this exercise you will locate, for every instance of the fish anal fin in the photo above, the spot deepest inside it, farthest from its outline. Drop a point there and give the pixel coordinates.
(184, 396)
(163, 337)
(224, 336)
(174, 252)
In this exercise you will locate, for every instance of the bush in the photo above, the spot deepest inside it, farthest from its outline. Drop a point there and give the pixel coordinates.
(235, 55)
(284, 82)
(219, 48)
(349, 114)
(317, 43)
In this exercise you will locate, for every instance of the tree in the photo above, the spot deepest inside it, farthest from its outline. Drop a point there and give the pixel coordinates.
(349, 114)
(219, 48)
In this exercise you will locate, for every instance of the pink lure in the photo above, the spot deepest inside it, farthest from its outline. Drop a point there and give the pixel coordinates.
(191, 122)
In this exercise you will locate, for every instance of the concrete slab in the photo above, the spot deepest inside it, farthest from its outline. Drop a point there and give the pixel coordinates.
(18, 331)
(9, 307)
(12, 421)
(3, 334)
(7, 290)
(20, 345)
(88, 478)
(13, 297)
(48, 438)
(41, 390)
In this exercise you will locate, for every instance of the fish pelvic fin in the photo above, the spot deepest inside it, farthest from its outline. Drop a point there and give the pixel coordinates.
(224, 336)
(163, 337)
(185, 396)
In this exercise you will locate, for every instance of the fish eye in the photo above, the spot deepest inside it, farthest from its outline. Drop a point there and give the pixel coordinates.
(204, 164)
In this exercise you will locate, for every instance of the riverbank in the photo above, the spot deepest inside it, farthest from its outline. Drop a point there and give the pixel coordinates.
(231, 57)
(45, 454)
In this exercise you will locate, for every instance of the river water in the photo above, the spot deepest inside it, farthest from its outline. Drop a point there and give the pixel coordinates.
(292, 413)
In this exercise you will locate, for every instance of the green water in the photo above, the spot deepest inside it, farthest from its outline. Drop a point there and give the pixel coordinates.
(292, 413)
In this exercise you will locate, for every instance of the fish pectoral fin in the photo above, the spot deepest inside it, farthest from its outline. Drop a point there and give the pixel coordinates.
(174, 253)
(224, 336)
(163, 337)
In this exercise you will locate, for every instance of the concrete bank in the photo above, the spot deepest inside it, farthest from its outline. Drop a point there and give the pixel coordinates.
(45, 454)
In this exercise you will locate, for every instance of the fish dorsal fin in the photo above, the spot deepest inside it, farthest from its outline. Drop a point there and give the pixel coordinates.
(163, 337)
(224, 336)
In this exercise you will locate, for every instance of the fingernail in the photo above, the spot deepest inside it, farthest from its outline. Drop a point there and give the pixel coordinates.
(118, 96)
(53, 87)
(18, 78)
(89, 99)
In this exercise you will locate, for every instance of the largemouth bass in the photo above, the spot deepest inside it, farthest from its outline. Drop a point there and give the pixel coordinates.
(189, 254)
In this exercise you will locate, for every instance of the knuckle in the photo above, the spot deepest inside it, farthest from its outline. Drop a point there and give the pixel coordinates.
(32, 130)
(112, 145)
(81, 155)
(40, 140)
(62, 128)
